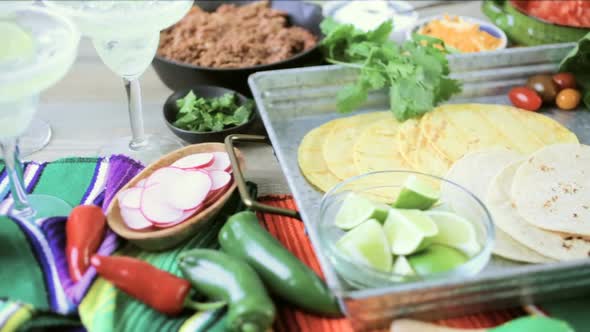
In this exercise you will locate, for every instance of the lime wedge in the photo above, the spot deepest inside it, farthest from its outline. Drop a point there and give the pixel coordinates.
(455, 231)
(402, 267)
(381, 211)
(416, 194)
(436, 259)
(17, 44)
(408, 231)
(356, 209)
(367, 244)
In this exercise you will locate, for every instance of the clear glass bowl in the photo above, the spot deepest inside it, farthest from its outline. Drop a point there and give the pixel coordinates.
(384, 187)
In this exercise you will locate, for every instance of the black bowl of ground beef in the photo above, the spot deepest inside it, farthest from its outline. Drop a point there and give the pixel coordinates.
(202, 50)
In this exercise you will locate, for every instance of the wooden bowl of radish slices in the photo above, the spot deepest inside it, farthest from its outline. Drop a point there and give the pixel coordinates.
(172, 198)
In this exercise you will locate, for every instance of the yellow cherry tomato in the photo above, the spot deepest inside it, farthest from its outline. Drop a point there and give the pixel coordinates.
(568, 99)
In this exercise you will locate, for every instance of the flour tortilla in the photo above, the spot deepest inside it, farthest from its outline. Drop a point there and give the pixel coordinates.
(551, 190)
(475, 172)
(311, 161)
(507, 247)
(555, 245)
(338, 147)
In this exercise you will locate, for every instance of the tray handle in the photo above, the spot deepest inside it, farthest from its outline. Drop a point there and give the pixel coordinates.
(250, 203)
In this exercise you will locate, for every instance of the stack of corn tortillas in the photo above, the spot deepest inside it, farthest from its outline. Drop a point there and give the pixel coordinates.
(540, 203)
(371, 142)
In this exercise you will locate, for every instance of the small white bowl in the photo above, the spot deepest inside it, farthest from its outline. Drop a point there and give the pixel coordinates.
(483, 26)
(368, 14)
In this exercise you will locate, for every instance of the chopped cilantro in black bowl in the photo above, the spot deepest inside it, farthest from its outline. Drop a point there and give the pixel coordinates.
(208, 113)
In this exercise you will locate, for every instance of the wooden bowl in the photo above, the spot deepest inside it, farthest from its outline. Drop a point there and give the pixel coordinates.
(165, 238)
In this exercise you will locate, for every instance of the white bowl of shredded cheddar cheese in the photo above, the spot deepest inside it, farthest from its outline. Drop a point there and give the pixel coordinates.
(461, 33)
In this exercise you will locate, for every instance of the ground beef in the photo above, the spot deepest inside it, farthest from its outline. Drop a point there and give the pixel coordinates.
(234, 37)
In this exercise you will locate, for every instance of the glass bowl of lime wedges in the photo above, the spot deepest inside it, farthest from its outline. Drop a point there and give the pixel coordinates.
(394, 226)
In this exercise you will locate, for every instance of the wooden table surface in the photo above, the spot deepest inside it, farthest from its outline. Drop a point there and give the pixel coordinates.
(88, 108)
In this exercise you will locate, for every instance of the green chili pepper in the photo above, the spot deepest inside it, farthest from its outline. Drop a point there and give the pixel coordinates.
(534, 323)
(222, 277)
(282, 273)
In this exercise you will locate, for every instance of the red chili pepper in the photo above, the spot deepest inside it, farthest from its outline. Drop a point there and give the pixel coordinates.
(158, 289)
(84, 232)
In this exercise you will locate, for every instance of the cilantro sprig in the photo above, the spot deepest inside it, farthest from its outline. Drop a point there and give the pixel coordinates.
(214, 114)
(416, 72)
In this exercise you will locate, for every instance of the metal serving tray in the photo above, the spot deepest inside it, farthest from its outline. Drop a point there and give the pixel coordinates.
(292, 102)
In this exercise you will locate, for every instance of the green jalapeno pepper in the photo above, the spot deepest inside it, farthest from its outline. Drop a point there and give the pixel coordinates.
(222, 277)
(283, 274)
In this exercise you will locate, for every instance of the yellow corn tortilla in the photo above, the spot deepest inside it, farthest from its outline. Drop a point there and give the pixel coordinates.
(417, 151)
(311, 160)
(455, 130)
(376, 149)
(338, 147)
(376, 141)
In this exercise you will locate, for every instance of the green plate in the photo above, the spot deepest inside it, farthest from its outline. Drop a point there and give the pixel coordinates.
(525, 30)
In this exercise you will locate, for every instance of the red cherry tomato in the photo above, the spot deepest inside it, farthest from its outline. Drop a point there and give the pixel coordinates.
(525, 98)
(564, 80)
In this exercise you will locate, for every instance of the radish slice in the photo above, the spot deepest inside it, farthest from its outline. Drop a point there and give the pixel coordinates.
(186, 214)
(215, 195)
(220, 162)
(132, 198)
(194, 161)
(219, 179)
(134, 219)
(141, 183)
(189, 213)
(168, 224)
(189, 191)
(154, 206)
(121, 195)
(164, 175)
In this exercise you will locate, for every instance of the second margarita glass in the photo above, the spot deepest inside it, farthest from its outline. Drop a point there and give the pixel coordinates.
(126, 35)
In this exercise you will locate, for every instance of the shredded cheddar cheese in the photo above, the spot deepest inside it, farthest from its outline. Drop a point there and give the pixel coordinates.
(460, 34)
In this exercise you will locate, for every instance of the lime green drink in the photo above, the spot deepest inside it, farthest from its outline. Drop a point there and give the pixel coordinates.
(18, 49)
(38, 48)
(25, 72)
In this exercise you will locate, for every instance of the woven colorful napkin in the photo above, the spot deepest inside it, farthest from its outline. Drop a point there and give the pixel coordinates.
(34, 282)
(35, 288)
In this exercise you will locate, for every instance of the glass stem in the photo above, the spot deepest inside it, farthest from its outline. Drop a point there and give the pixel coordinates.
(14, 170)
(133, 90)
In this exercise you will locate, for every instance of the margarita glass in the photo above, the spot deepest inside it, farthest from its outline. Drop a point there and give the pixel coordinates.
(125, 35)
(38, 134)
(38, 48)
(35, 137)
